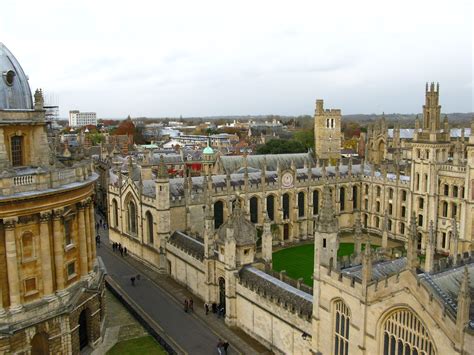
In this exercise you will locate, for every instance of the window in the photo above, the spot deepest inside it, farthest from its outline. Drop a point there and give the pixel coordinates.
(341, 328)
(71, 269)
(390, 193)
(421, 203)
(132, 218)
(366, 189)
(377, 206)
(254, 210)
(454, 210)
(115, 213)
(404, 333)
(286, 206)
(455, 191)
(445, 209)
(30, 286)
(390, 208)
(68, 231)
(271, 207)
(301, 204)
(355, 197)
(444, 243)
(149, 224)
(246, 251)
(342, 198)
(324, 242)
(366, 203)
(417, 181)
(420, 220)
(315, 202)
(425, 178)
(378, 191)
(377, 222)
(404, 195)
(17, 150)
(402, 228)
(390, 225)
(27, 246)
(446, 190)
(404, 211)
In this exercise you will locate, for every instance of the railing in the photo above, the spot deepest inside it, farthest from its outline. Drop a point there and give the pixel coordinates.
(66, 174)
(23, 180)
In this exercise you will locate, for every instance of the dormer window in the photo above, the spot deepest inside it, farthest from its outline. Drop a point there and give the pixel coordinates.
(17, 150)
(9, 77)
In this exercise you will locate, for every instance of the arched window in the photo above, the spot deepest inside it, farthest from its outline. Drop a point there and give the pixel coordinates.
(39, 344)
(132, 218)
(218, 214)
(421, 203)
(378, 191)
(455, 191)
(390, 208)
(417, 181)
(315, 202)
(404, 195)
(342, 198)
(286, 206)
(114, 213)
(149, 227)
(445, 209)
(271, 207)
(404, 333)
(377, 222)
(446, 190)
(390, 193)
(254, 209)
(402, 228)
(377, 206)
(341, 328)
(454, 210)
(425, 181)
(355, 197)
(301, 204)
(17, 150)
(404, 211)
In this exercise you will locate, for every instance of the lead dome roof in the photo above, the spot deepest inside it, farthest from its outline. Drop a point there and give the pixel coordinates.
(15, 93)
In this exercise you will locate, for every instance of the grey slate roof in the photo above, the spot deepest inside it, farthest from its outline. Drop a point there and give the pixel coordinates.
(408, 133)
(380, 270)
(187, 244)
(296, 300)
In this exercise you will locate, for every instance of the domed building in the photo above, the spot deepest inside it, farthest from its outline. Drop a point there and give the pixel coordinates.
(51, 285)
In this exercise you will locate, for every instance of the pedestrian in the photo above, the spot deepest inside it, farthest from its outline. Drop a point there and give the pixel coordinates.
(206, 307)
(100, 222)
(97, 240)
(220, 347)
(225, 345)
(114, 246)
(125, 250)
(186, 305)
(121, 251)
(214, 307)
(132, 279)
(105, 225)
(191, 304)
(138, 277)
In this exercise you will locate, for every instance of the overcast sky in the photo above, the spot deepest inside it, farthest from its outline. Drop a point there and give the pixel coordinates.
(203, 58)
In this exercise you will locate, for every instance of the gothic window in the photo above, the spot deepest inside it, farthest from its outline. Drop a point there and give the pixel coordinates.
(17, 150)
(404, 195)
(420, 220)
(115, 212)
(377, 206)
(462, 192)
(445, 209)
(286, 206)
(417, 181)
(132, 218)
(390, 208)
(315, 202)
(271, 207)
(454, 210)
(425, 178)
(355, 197)
(366, 189)
(341, 328)
(254, 210)
(27, 246)
(342, 198)
(218, 214)
(389, 225)
(444, 244)
(427, 154)
(301, 204)
(377, 222)
(149, 227)
(366, 203)
(402, 228)
(421, 203)
(378, 191)
(404, 333)
(455, 191)
(366, 220)
(390, 193)
(446, 190)
(404, 211)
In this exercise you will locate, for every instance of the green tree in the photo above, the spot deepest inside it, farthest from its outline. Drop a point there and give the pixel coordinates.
(305, 137)
(280, 146)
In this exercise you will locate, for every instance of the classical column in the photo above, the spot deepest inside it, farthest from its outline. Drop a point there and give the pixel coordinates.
(12, 264)
(82, 238)
(58, 243)
(88, 234)
(45, 249)
(92, 233)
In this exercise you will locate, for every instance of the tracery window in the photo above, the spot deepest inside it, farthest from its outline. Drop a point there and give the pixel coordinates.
(132, 217)
(341, 328)
(404, 333)
(342, 198)
(115, 212)
(149, 223)
(301, 204)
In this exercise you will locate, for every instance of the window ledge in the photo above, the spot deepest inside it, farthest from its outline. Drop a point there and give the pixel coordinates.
(29, 260)
(31, 293)
(72, 276)
(69, 247)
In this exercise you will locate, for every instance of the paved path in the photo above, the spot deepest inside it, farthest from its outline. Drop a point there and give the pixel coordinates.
(160, 297)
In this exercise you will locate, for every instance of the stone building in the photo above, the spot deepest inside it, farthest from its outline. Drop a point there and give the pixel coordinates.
(327, 132)
(51, 289)
(215, 234)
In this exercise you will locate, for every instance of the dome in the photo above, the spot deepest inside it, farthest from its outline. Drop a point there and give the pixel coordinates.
(15, 93)
(208, 150)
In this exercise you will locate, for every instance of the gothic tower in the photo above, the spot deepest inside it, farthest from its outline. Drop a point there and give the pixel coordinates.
(327, 132)
(162, 185)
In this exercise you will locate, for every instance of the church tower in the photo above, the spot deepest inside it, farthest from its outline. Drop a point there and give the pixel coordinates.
(162, 185)
(327, 132)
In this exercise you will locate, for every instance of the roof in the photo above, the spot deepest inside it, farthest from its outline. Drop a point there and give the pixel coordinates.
(188, 244)
(278, 290)
(380, 270)
(408, 133)
(15, 93)
(232, 164)
(245, 232)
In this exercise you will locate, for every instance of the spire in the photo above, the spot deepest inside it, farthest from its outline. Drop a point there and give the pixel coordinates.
(412, 255)
(464, 302)
(327, 221)
(162, 170)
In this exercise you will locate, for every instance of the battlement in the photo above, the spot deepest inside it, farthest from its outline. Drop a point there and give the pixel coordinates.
(321, 111)
(431, 87)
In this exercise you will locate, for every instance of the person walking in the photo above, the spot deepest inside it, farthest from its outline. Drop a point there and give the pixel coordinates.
(97, 240)
(132, 279)
(206, 308)
(191, 304)
(225, 345)
(121, 251)
(220, 347)
(125, 250)
(186, 305)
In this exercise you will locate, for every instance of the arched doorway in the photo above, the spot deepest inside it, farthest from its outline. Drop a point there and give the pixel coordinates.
(222, 292)
(83, 338)
(39, 344)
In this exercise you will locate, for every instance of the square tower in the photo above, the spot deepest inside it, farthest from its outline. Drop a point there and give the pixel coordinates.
(327, 132)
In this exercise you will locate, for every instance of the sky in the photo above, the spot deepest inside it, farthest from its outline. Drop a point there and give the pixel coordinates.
(211, 58)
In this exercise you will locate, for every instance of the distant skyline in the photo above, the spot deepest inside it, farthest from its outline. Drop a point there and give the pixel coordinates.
(213, 58)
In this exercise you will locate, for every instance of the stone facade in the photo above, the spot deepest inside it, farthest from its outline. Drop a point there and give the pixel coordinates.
(202, 231)
(51, 285)
(327, 132)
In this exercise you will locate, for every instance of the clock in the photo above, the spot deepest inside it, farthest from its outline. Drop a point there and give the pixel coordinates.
(287, 179)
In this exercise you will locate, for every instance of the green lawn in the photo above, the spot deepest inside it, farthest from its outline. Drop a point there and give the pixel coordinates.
(298, 261)
(138, 346)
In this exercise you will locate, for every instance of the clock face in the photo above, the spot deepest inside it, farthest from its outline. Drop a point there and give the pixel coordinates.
(287, 180)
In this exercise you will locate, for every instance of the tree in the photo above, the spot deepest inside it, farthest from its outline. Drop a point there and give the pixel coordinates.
(305, 137)
(280, 146)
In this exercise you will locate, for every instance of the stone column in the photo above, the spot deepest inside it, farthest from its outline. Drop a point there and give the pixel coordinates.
(45, 249)
(87, 221)
(92, 233)
(58, 244)
(82, 238)
(12, 264)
